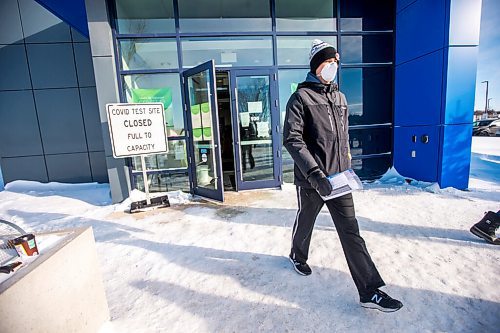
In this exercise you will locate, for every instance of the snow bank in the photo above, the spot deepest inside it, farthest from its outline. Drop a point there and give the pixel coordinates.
(93, 193)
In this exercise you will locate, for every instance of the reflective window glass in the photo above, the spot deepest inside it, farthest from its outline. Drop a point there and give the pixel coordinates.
(371, 168)
(367, 15)
(370, 141)
(158, 88)
(288, 81)
(176, 158)
(369, 94)
(145, 16)
(163, 182)
(294, 50)
(315, 15)
(224, 15)
(149, 54)
(255, 127)
(367, 49)
(228, 51)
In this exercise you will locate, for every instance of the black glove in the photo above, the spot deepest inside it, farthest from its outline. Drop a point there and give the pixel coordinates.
(320, 183)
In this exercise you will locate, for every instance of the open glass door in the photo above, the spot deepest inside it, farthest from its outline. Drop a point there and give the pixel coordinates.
(256, 129)
(203, 130)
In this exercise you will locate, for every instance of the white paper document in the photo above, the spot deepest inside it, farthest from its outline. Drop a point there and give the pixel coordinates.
(343, 183)
(245, 119)
(262, 129)
(255, 107)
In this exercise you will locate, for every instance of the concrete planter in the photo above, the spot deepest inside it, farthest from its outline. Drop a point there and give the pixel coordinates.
(61, 291)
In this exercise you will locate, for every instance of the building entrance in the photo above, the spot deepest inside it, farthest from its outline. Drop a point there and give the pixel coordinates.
(234, 130)
(226, 130)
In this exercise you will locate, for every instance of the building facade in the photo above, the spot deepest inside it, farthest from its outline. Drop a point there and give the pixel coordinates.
(224, 71)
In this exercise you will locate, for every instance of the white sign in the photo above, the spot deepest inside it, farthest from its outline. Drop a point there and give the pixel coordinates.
(263, 129)
(255, 107)
(245, 119)
(137, 129)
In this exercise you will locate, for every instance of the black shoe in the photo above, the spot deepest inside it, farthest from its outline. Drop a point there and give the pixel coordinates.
(301, 268)
(486, 228)
(380, 301)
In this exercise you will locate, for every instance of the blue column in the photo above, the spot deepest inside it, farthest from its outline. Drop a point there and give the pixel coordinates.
(458, 93)
(435, 66)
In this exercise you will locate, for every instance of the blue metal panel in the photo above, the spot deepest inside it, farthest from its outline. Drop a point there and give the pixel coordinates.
(10, 23)
(414, 158)
(72, 12)
(465, 19)
(402, 4)
(420, 29)
(460, 85)
(25, 167)
(455, 156)
(418, 91)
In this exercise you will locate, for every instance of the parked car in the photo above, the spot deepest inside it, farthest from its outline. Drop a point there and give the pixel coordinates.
(492, 128)
(483, 122)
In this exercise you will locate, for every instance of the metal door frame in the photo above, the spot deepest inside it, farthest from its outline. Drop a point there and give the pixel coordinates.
(275, 137)
(217, 194)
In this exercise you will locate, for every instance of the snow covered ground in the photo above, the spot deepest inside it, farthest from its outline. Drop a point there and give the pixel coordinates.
(204, 267)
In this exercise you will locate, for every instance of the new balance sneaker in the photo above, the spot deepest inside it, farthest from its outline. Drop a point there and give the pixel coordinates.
(381, 301)
(301, 268)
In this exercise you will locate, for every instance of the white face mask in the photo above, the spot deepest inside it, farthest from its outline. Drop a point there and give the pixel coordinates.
(329, 71)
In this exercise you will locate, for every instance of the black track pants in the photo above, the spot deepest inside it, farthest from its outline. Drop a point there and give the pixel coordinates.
(363, 270)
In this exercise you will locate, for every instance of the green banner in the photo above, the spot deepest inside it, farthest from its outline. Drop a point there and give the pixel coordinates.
(159, 95)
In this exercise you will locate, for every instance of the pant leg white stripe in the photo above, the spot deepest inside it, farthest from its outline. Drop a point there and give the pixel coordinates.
(295, 225)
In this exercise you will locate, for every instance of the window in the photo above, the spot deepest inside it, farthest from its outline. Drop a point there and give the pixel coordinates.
(371, 168)
(369, 94)
(370, 141)
(160, 88)
(224, 15)
(297, 15)
(149, 53)
(208, 29)
(161, 182)
(367, 49)
(288, 79)
(367, 15)
(176, 158)
(146, 16)
(228, 51)
(295, 50)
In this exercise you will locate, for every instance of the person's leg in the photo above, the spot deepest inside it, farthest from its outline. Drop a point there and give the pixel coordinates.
(363, 270)
(244, 151)
(251, 160)
(310, 204)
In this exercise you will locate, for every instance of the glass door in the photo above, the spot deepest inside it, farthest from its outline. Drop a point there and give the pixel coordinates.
(256, 129)
(203, 131)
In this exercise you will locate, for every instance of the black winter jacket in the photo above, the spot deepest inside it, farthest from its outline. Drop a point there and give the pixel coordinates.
(315, 132)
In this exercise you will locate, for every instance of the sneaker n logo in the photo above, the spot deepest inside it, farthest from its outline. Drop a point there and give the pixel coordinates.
(376, 298)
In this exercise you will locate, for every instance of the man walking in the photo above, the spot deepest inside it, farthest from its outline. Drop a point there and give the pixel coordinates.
(316, 136)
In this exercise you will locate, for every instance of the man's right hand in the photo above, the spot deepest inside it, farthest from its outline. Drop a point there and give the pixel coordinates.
(320, 183)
